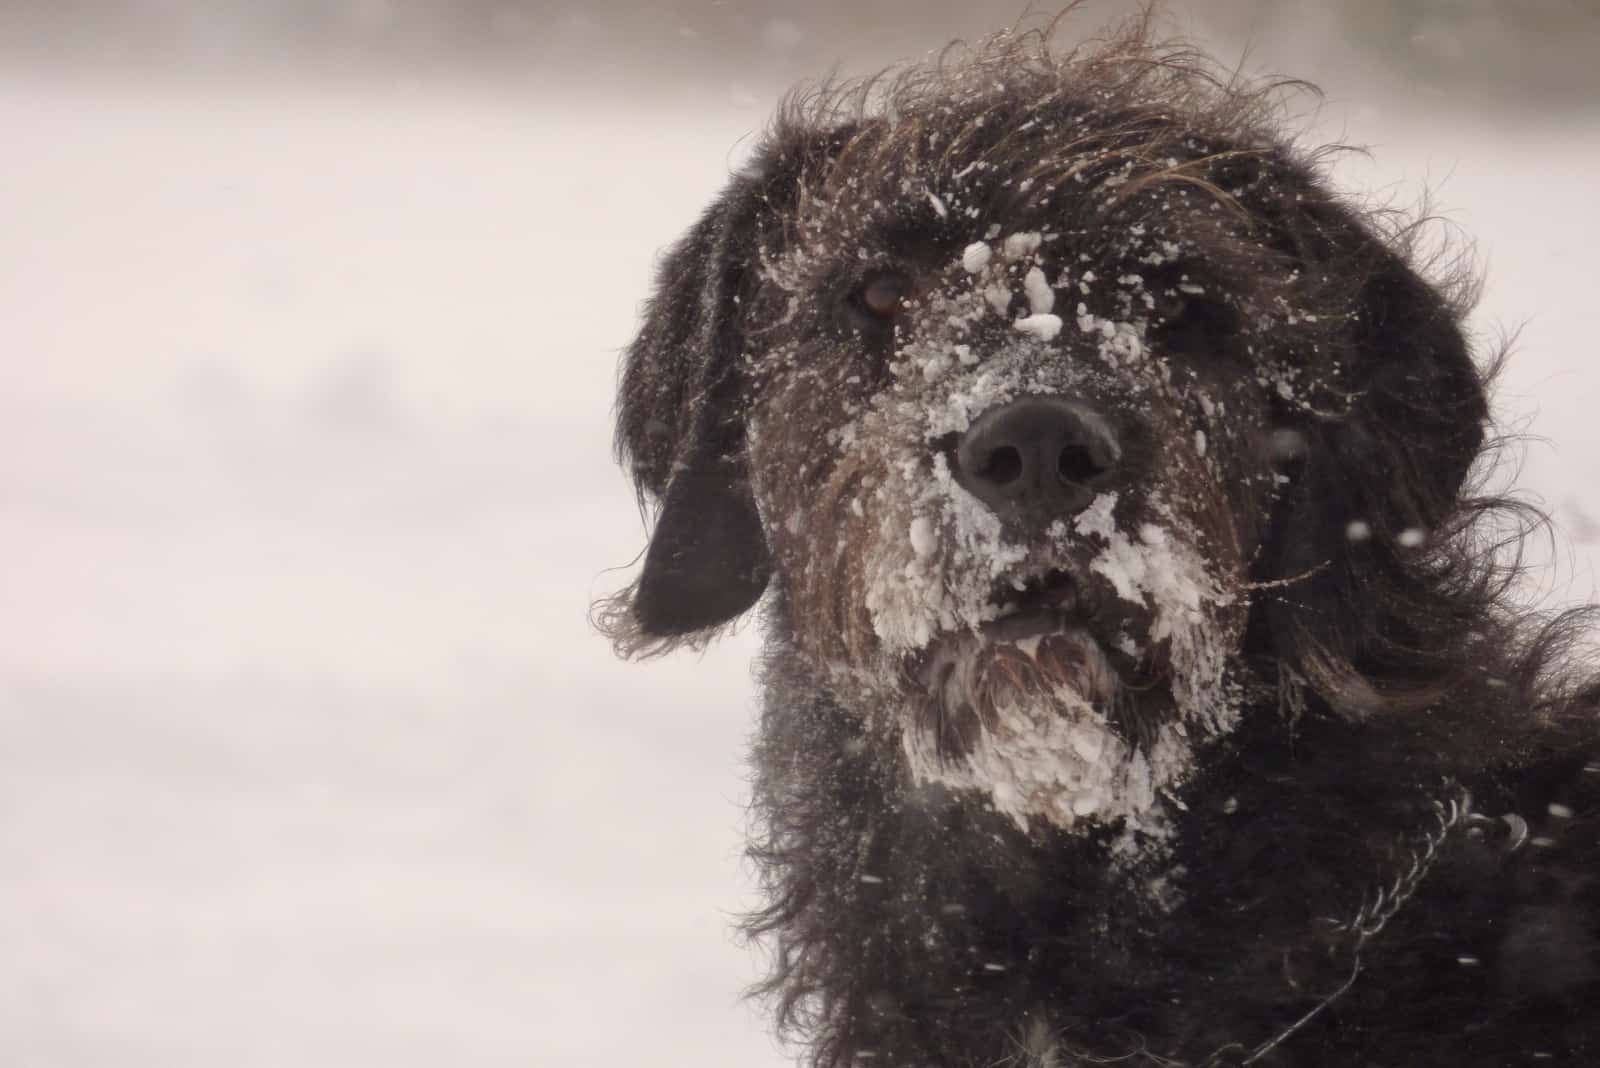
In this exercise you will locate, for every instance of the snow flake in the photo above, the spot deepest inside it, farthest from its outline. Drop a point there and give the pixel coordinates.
(1018, 246)
(1041, 298)
(1043, 327)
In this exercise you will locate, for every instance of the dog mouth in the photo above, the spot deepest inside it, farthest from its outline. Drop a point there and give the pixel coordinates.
(1050, 603)
(1046, 645)
(1060, 602)
(1039, 641)
(1032, 710)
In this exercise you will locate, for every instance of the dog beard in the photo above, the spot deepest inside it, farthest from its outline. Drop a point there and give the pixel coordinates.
(1048, 724)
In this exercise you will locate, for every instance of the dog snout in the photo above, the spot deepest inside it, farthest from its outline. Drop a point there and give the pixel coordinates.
(1037, 458)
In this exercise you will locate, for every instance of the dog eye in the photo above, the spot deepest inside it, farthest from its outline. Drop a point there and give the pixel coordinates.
(1194, 323)
(883, 294)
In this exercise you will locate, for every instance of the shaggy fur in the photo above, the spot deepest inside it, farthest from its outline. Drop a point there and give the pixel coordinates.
(1142, 679)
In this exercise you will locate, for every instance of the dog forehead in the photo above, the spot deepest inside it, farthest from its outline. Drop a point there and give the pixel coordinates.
(927, 224)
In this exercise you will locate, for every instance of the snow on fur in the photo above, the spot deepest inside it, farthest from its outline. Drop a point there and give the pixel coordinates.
(933, 577)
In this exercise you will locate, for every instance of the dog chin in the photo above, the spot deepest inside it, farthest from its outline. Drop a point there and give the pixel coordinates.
(1032, 712)
(1019, 659)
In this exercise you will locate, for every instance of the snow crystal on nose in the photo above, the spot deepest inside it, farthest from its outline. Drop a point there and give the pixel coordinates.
(1041, 298)
(1018, 246)
(999, 297)
(1043, 327)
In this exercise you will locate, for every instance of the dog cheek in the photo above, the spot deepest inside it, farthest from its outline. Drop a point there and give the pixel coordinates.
(1231, 472)
(905, 593)
(817, 494)
(913, 555)
(1200, 611)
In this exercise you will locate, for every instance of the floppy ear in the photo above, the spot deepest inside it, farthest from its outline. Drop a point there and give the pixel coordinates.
(1362, 625)
(1416, 384)
(1397, 458)
(680, 428)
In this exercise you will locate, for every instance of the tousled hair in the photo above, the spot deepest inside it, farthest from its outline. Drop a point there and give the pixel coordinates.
(1415, 636)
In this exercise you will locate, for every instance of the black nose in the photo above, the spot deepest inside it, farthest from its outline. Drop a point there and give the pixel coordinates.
(1038, 458)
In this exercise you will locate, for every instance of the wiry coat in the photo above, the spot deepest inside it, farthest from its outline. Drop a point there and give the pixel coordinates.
(1232, 750)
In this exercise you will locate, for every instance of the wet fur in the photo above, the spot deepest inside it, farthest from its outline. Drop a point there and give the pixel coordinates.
(1389, 858)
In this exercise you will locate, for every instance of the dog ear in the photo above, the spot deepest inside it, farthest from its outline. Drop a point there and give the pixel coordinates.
(680, 426)
(1376, 481)
(1416, 405)
(1404, 360)
(707, 562)
(1415, 382)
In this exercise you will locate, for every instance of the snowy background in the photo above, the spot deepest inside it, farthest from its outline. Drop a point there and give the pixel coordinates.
(307, 755)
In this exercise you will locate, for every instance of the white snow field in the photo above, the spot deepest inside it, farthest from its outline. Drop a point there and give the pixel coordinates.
(307, 754)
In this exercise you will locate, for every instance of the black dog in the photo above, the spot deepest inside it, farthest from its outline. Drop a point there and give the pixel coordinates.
(1142, 684)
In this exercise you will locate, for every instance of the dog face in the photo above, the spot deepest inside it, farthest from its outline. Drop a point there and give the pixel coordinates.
(1022, 386)
(1013, 482)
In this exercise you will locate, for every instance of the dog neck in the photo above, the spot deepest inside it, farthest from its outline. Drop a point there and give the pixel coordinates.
(879, 882)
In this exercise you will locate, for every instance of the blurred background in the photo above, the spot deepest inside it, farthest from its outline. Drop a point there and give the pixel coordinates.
(309, 314)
